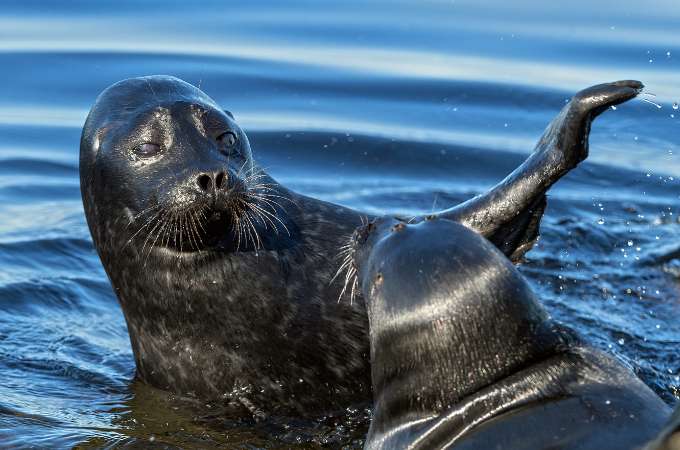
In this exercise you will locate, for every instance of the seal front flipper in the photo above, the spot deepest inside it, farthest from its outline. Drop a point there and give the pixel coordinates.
(509, 214)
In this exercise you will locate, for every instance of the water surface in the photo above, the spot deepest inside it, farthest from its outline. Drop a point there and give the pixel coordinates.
(405, 106)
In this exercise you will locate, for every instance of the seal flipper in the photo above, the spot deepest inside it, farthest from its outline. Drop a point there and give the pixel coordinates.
(518, 237)
(509, 214)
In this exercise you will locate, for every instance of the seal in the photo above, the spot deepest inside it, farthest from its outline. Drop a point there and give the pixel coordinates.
(463, 355)
(224, 275)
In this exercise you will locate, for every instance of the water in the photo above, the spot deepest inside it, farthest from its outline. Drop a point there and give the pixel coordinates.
(384, 106)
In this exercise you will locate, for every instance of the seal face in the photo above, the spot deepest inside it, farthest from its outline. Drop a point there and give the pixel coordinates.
(463, 354)
(226, 278)
(178, 167)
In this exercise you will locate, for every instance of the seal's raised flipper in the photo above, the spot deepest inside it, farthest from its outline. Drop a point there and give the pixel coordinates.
(509, 214)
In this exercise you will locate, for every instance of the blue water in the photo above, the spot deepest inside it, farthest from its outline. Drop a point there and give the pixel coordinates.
(406, 106)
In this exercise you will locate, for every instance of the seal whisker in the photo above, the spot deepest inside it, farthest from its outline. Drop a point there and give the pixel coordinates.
(355, 284)
(266, 196)
(254, 176)
(236, 227)
(144, 225)
(240, 170)
(195, 222)
(352, 272)
(271, 203)
(148, 236)
(171, 229)
(274, 216)
(194, 230)
(345, 264)
(346, 256)
(269, 206)
(181, 229)
(142, 212)
(252, 231)
(263, 218)
(190, 233)
(173, 233)
(161, 230)
(203, 217)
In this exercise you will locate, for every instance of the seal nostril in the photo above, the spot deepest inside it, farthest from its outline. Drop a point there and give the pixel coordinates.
(220, 180)
(205, 182)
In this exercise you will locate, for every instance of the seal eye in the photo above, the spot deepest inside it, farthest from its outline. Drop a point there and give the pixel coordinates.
(148, 149)
(228, 139)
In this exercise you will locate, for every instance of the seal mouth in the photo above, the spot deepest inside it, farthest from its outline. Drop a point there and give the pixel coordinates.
(236, 226)
(217, 228)
(348, 257)
(355, 252)
(239, 217)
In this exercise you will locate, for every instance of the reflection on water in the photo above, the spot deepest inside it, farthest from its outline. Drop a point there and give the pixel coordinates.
(401, 106)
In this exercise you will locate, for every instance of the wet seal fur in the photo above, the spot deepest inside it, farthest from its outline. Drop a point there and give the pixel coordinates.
(223, 273)
(463, 355)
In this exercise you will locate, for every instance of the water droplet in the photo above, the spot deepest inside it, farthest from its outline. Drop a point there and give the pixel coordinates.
(675, 105)
(630, 243)
(614, 107)
(600, 222)
(621, 341)
(608, 402)
(668, 54)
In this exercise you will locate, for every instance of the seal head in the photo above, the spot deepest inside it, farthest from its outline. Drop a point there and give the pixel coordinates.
(178, 167)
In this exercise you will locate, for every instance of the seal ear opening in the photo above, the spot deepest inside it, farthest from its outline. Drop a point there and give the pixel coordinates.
(228, 113)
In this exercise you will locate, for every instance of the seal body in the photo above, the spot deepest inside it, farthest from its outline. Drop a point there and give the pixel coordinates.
(222, 274)
(226, 277)
(463, 355)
